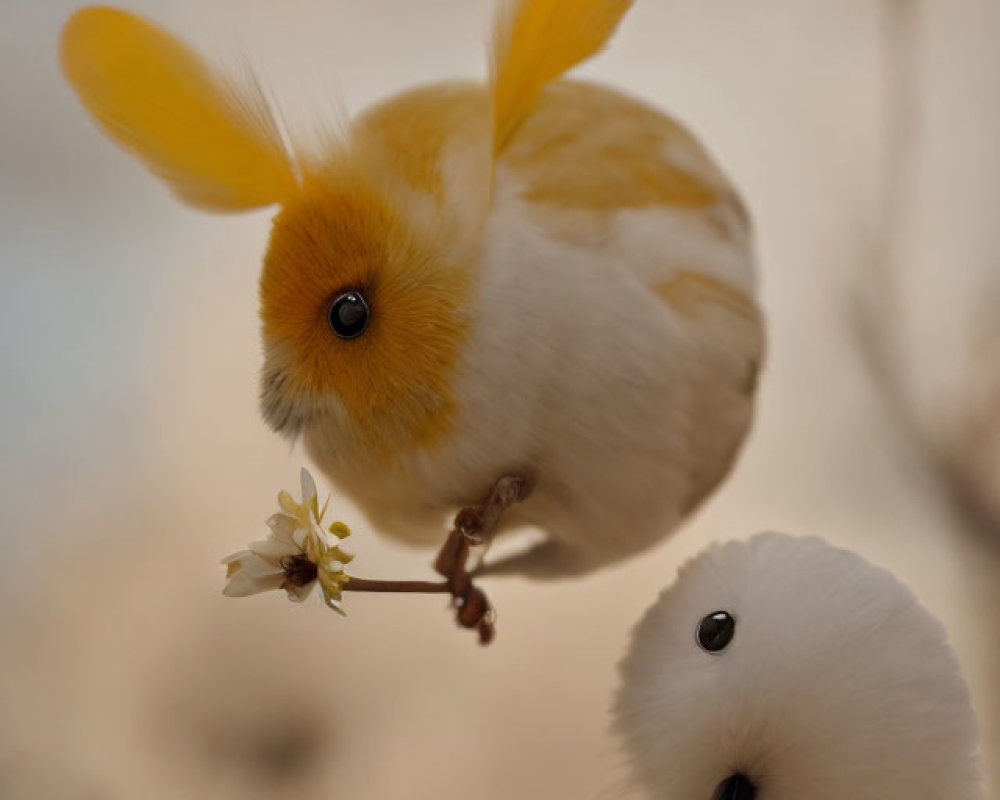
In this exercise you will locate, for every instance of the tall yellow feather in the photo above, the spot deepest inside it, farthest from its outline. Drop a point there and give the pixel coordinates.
(216, 144)
(536, 41)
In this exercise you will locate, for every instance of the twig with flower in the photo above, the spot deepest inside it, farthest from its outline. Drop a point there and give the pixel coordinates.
(301, 552)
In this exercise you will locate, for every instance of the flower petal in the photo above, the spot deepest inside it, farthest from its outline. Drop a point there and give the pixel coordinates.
(308, 487)
(287, 502)
(315, 547)
(297, 594)
(331, 596)
(241, 584)
(282, 526)
(300, 537)
(236, 557)
(339, 555)
(273, 550)
(256, 567)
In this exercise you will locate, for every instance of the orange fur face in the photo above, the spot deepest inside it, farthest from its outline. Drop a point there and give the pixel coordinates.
(388, 390)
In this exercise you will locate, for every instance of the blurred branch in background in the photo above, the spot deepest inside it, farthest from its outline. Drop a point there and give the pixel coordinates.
(957, 440)
(960, 443)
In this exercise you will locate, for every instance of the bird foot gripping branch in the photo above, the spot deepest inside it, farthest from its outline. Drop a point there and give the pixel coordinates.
(301, 552)
(474, 526)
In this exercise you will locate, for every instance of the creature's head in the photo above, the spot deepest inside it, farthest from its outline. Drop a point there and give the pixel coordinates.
(364, 291)
(364, 313)
(366, 283)
(784, 668)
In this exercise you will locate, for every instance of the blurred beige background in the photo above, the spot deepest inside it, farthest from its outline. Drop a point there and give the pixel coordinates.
(132, 456)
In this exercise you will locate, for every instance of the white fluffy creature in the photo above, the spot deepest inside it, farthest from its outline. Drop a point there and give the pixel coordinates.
(828, 681)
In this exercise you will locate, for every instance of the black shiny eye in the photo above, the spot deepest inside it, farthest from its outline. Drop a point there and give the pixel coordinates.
(715, 631)
(349, 315)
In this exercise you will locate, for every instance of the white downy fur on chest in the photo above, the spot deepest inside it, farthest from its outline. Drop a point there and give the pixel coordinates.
(626, 411)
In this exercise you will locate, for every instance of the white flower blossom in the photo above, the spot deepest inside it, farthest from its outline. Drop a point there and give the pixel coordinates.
(297, 554)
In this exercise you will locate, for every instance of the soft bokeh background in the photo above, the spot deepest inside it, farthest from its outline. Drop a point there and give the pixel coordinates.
(132, 456)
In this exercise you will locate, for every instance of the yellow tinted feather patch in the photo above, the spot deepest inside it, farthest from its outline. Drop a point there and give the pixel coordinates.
(413, 129)
(536, 41)
(586, 147)
(688, 292)
(216, 144)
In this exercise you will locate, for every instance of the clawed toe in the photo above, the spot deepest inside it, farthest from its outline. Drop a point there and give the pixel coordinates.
(474, 525)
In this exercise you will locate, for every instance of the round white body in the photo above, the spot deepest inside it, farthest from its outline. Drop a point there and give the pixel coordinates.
(613, 340)
(836, 683)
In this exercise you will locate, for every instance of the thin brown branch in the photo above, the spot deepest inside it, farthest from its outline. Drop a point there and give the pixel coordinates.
(473, 525)
(355, 584)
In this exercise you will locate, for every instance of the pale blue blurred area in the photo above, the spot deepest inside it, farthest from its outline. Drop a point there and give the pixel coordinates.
(74, 334)
(90, 246)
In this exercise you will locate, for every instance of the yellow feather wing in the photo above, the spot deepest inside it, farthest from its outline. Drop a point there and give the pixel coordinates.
(217, 145)
(536, 41)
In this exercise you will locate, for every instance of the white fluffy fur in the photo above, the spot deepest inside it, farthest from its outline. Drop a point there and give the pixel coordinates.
(628, 412)
(838, 685)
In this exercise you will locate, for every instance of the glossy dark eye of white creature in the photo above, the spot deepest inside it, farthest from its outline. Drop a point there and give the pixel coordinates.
(349, 315)
(716, 631)
(736, 787)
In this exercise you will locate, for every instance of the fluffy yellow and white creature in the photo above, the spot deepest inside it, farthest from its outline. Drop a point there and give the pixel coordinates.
(534, 277)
